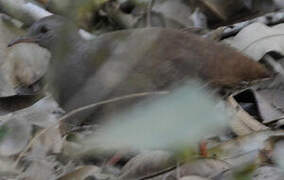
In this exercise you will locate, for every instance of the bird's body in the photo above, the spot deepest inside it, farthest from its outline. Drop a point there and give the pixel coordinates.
(133, 61)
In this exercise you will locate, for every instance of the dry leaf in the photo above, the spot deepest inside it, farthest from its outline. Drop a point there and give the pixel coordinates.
(7, 32)
(258, 39)
(268, 173)
(29, 63)
(83, 172)
(193, 178)
(223, 9)
(243, 145)
(7, 168)
(146, 163)
(202, 167)
(270, 103)
(20, 66)
(51, 141)
(15, 134)
(242, 123)
(43, 113)
(40, 168)
(176, 11)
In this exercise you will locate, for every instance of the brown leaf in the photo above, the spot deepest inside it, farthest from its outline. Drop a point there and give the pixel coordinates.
(223, 9)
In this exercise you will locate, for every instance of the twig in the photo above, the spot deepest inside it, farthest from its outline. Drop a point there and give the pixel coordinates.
(158, 173)
(149, 12)
(75, 111)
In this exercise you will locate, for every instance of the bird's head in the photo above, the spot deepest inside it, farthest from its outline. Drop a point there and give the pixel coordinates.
(48, 32)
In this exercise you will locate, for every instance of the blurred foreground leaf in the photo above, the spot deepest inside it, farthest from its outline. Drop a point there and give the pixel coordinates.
(173, 122)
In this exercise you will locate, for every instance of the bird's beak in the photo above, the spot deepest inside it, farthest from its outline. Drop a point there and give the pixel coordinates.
(22, 40)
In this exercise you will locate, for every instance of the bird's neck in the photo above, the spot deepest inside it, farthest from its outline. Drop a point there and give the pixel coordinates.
(68, 42)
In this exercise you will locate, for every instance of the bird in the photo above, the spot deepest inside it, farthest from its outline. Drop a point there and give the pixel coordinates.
(82, 72)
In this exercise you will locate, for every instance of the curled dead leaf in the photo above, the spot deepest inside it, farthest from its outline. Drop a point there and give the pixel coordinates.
(242, 123)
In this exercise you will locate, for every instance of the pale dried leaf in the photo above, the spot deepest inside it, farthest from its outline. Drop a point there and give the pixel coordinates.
(20, 66)
(176, 11)
(204, 168)
(146, 163)
(7, 167)
(30, 63)
(7, 32)
(43, 113)
(243, 145)
(268, 172)
(277, 154)
(258, 39)
(16, 134)
(40, 169)
(267, 104)
(193, 178)
(83, 172)
(51, 140)
(242, 123)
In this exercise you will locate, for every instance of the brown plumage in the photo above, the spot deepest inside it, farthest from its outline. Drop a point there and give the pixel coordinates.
(132, 61)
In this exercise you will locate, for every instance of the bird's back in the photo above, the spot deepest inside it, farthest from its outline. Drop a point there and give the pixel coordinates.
(151, 59)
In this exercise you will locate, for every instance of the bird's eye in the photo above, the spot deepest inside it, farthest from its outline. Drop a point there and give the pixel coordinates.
(43, 29)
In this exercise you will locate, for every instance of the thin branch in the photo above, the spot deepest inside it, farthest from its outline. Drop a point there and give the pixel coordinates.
(158, 173)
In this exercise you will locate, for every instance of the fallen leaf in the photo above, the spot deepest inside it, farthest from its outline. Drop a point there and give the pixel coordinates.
(203, 167)
(146, 163)
(43, 113)
(222, 9)
(250, 144)
(193, 178)
(41, 168)
(243, 123)
(83, 172)
(268, 172)
(20, 66)
(269, 103)
(176, 11)
(258, 39)
(15, 134)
